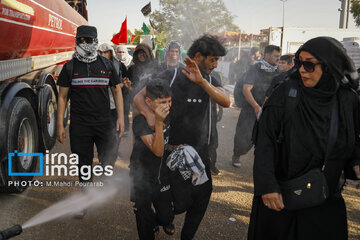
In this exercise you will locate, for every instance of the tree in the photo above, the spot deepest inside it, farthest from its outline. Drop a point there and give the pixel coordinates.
(137, 32)
(186, 20)
(355, 10)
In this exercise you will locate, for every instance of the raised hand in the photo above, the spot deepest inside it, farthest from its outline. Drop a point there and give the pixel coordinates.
(192, 71)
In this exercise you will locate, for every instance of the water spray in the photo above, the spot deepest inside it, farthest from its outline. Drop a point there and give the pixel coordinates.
(11, 232)
(67, 207)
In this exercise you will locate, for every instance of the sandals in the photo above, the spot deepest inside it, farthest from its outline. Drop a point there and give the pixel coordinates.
(169, 229)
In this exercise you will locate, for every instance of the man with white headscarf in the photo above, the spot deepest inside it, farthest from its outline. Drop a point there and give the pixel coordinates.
(88, 75)
(124, 57)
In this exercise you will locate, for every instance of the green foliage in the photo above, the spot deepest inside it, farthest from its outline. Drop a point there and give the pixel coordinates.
(137, 32)
(186, 20)
(355, 10)
(161, 39)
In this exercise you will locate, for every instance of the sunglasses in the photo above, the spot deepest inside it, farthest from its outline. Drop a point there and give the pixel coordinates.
(308, 66)
(85, 39)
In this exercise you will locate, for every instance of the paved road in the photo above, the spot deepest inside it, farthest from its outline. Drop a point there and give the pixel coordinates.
(114, 219)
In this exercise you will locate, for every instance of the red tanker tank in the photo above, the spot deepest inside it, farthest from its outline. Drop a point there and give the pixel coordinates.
(38, 27)
(36, 37)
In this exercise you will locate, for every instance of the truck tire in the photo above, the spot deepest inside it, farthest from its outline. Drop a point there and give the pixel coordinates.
(21, 135)
(47, 115)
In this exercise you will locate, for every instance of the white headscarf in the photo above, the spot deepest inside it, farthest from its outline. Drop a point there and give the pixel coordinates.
(126, 58)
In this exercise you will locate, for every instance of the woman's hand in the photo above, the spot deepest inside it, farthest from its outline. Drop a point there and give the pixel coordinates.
(273, 201)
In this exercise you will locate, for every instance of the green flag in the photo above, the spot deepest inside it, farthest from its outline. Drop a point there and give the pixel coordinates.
(145, 29)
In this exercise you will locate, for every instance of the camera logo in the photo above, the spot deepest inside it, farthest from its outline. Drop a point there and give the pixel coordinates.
(11, 156)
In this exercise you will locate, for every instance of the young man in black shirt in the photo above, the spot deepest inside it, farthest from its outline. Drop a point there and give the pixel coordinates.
(192, 88)
(147, 168)
(256, 81)
(89, 75)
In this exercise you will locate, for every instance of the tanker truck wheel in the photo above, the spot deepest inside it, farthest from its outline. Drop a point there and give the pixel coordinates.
(47, 114)
(22, 136)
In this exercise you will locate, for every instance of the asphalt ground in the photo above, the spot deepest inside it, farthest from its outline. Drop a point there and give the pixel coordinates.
(227, 216)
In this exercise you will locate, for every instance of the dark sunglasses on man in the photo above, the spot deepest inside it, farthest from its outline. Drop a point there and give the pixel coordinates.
(85, 39)
(308, 66)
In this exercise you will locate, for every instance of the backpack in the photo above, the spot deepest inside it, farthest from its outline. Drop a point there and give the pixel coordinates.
(239, 97)
(291, 102)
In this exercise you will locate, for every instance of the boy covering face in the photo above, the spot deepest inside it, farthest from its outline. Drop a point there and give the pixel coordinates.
(148, 171)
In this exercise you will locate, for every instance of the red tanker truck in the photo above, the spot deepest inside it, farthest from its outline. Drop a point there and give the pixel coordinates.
(36, 38)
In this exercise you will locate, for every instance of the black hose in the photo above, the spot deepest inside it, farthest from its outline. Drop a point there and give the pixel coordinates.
(10, 232)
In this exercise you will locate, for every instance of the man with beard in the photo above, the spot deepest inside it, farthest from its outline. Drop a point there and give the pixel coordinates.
(193, 87)
(256, 82)
(88, 76)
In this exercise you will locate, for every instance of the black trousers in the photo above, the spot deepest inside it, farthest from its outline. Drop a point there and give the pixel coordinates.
(145, 195)
(200, 200)
(117, 139)
(127, 103)
(82, 139)
(213, 145)
(243, 133)
(192, 199)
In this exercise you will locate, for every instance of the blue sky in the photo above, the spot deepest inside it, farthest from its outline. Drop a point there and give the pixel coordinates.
(251, 15)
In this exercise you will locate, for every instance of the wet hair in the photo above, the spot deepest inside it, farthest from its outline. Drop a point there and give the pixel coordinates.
(254, 50)
(207, 45)
(157, 89)
(286, 58)
(269, 49)
(174, 44)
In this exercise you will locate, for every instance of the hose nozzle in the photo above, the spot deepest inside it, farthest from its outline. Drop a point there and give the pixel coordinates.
(10, 232)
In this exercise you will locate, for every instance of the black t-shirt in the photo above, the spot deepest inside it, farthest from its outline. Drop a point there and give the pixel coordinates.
(89, 96)
(142, 159)
(189, 111)
(164, 66)
(261, 81)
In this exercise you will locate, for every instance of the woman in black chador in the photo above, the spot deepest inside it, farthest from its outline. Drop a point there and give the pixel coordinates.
(293, 138)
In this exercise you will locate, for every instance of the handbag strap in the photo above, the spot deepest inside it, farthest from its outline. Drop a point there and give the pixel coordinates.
(334, 125)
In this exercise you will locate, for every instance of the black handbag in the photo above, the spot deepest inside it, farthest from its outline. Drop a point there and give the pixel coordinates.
(310, 189)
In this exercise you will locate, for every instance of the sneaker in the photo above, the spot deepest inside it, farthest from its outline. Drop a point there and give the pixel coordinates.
(236, 161)
(215, 171)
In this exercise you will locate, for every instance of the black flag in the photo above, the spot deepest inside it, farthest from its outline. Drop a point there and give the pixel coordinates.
(147, 9)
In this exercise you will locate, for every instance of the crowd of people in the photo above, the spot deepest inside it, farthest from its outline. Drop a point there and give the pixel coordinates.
(301, 114)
